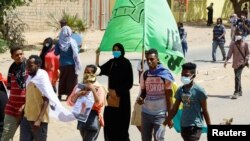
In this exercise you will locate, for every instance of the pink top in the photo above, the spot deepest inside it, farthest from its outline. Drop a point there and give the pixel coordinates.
(52, 66)
(238, 59)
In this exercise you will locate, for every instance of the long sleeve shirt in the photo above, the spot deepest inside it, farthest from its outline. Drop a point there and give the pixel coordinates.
(238, 59)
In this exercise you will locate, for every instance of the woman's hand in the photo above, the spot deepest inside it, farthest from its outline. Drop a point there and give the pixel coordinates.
(90, 87)
(82, 93)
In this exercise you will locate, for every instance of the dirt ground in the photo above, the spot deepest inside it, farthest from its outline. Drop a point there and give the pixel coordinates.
(217, 80)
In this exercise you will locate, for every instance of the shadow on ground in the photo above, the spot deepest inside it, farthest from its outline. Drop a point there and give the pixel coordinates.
(209, 61)
(221, 96)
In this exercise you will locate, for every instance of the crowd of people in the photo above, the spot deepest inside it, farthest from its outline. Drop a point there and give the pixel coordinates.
(28, 103)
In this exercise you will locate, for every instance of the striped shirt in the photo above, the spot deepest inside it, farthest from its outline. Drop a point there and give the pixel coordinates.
(16, 98)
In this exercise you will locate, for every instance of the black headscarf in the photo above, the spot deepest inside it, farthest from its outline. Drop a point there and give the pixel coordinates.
(121, 48)
(45, 50)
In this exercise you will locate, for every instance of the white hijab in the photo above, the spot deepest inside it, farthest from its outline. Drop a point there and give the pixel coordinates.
(66, 41)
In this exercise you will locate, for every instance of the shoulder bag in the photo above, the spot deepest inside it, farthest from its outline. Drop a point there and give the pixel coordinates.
(245, 62)
(113, 99)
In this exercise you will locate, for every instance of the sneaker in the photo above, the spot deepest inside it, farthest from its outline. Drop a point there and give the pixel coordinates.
(234, 97)
(240, 94)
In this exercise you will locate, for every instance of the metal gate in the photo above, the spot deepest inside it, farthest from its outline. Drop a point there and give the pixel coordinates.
(96, 13)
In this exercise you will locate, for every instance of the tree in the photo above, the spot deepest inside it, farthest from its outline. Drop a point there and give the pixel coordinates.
(6, 5)
(237, 5)
(11, 27)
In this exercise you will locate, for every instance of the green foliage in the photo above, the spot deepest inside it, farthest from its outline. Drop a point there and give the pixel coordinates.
(12, 30)
(73, 21)
(7, 5)
(3, 46)
(11, 26)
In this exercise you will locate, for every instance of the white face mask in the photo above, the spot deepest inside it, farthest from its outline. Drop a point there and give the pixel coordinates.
(186, 80)
(237, 38)
(47, 44)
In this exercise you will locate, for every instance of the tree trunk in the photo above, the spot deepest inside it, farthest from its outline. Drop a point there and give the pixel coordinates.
(237, 6)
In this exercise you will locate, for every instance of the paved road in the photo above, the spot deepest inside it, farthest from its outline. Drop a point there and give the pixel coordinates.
(218, 82)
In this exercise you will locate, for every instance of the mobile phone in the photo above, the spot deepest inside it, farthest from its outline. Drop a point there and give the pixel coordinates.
(81, 86)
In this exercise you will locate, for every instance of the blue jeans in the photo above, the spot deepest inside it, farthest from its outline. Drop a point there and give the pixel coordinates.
(89, 130)
(184, 47)
(221, 45)
(89, 135)
(150, 123)
(27, 134)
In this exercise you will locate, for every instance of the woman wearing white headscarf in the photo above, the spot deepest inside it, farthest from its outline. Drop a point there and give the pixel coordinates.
(69, 61)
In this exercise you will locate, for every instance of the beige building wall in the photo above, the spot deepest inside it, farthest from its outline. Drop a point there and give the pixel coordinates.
(197, 10)
(36, 14)
(218, 5)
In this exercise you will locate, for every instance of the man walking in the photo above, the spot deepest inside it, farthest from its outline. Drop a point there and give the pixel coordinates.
(16, 84)
(219, 32)
(35, 121)
(240, 51)
(156, 92)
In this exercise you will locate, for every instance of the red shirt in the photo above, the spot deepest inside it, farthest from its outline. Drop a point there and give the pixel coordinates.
(52, 66)
(16, 98)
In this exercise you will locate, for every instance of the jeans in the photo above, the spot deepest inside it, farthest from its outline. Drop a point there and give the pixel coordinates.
(150, 123)
(221, 45)
(27, 134)
(10, 126)
(184, 47)
(89, 130)
(89, 135)
(237, 79)
(191, 133)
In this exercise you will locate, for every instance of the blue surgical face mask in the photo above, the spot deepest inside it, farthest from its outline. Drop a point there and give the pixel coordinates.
(116, 54)
(186, 80)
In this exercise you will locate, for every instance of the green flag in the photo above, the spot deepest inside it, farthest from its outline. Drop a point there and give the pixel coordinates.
(148, 23)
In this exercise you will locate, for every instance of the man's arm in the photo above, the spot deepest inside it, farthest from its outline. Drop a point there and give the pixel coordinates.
(205, 111)
(172, 113)
(140, 100)
(223, 34)
(169, 94)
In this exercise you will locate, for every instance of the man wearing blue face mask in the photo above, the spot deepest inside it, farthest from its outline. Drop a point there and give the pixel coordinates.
(194, 99)
(219, 32)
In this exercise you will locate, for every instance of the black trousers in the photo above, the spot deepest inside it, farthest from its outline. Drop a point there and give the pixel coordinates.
(237, 79)
(191, 133)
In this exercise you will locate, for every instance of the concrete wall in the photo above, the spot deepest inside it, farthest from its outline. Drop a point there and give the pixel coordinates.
(36, 14)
